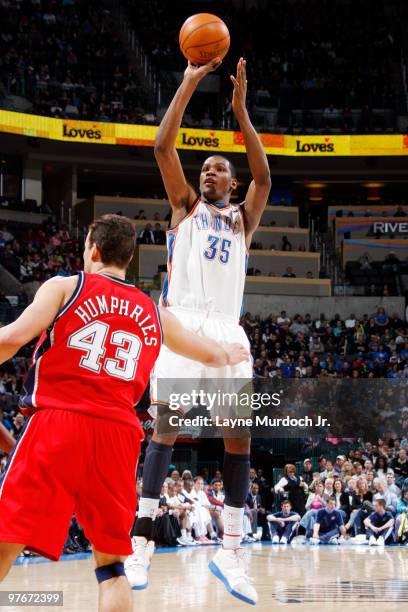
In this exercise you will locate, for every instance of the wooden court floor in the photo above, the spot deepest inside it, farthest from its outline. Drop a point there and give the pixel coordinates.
(296, 579)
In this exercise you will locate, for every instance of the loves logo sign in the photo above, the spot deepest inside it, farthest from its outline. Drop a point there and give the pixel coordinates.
(327, 146)
(210, 141)
(82, 133)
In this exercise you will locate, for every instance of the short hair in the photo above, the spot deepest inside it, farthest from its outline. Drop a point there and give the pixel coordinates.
(381, 501)
(286, 501)
(232, 168)
(115, 237)
(231, 165)
(214, 480)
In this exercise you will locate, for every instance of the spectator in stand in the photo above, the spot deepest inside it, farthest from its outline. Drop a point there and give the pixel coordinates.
(216, 498)
(392, 487)
(18, 423)
(400, 467)
(185, 506)
(175, 475)
(286, 245)
(253, 507)
(401, 522)
(289, 273)
(307, 474)
(159, 235)
(282, 524)
(205, 533)
(342, 503)
(206, 122)
(379, 525)
(382, 492)
(283, 318)
(329, 525)
(314, 503)
(338, 466)
(146, 236)
(331, 116)
(293, 487)
(381, 466)
(365, 262)
(360, 506)
(141, 216)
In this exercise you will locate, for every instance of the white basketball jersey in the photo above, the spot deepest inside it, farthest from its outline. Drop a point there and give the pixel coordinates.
(207, 260)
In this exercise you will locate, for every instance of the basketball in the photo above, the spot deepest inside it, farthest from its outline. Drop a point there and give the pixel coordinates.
(203, 37)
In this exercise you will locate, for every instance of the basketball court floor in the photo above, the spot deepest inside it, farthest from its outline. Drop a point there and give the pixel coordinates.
(296, 579)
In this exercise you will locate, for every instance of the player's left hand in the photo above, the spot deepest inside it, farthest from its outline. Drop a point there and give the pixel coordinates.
(240, 88)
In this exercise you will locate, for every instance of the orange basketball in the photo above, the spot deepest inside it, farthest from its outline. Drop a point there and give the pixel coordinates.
(203, 37)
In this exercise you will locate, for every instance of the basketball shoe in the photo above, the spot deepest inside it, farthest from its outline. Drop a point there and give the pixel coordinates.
(137, 565)
(231, 567)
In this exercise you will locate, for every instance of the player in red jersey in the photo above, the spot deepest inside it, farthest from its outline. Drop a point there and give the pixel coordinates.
(100, 337)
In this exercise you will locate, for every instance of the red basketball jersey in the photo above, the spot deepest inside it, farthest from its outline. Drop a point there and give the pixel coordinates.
(97, 355)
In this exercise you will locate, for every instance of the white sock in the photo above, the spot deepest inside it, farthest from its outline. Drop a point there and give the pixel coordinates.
(183, 533)
(147, 507)
(233, 518)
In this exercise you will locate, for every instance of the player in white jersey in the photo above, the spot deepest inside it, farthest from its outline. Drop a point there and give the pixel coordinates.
(207, 255)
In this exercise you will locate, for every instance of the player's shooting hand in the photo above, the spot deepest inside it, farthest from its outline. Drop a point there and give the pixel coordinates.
(240, 88)
(196, 73)
(236, 353)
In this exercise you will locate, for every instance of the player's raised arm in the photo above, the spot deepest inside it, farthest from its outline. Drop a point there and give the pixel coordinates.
(37, 317)
(260, 186)
(181, 195)
(186, 343)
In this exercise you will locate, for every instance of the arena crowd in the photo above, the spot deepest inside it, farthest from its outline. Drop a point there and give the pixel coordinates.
(360, 497)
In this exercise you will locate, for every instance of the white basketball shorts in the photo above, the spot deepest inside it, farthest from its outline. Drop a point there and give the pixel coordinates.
(173, 367)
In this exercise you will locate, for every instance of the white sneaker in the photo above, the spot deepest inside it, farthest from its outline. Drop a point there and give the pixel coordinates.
(334, 540)
(283, 540)
(380, 541)
(341, 540)
(231, 567)
(372, 541)
(137, 565)
(275, 539)
(184, 541)
(191, 540)
(314, 541)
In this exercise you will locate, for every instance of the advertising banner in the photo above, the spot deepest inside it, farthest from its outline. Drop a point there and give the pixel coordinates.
(89, 132)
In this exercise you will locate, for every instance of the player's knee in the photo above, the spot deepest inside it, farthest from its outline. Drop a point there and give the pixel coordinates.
(239, 445)
(6, 561)
(165, 431)
(8, 554)
(107, 571)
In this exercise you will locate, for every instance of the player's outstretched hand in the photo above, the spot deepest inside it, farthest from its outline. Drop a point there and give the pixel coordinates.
(240, 88)
(236, 353)
(196, 73)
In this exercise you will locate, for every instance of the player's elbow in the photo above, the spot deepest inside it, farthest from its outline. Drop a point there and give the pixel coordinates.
(264, 181)
(161, 148)
(11, 337)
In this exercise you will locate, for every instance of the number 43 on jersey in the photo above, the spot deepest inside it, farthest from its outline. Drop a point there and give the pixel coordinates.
(92, 340)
